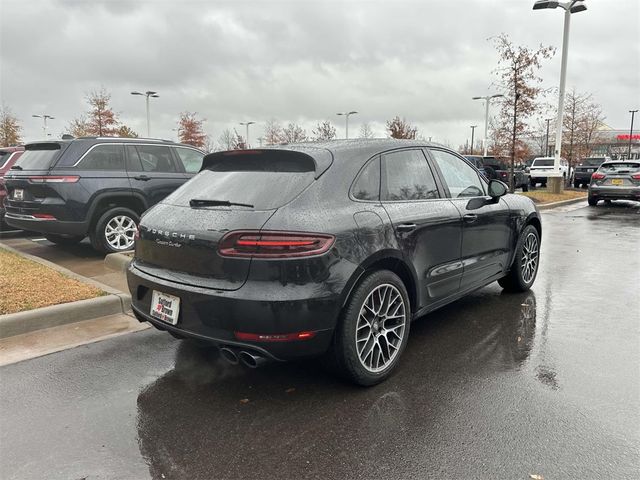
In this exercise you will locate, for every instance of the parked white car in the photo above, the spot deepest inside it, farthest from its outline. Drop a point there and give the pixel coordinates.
(542, 168)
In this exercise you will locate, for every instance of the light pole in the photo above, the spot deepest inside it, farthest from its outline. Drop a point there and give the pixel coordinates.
(473, 129)
(546, 150)
(633, 113)
(487, 101)
(346, 115)
(44, 118)
(246, 140)
(152, 95)
(572, 6)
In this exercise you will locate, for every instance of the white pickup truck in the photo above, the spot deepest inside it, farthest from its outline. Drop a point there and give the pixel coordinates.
(542, 168)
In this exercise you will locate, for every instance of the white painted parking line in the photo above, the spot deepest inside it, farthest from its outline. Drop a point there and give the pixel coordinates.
(38, 239)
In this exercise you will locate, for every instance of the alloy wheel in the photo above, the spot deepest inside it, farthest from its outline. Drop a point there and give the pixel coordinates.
(529, 262)
(380, 328)
(120, 232)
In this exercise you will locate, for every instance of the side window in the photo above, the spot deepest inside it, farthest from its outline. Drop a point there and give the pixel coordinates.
(103, 157)
(406, 176)
(462, 180)
(367, 185)
(155, 158)
(190, 158)
(133, 159)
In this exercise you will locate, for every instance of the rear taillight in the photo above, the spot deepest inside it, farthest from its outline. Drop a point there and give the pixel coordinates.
(597, 176)
(54, 179)
(269, 244)
(636, 176)
(271, 337)
(43, 216)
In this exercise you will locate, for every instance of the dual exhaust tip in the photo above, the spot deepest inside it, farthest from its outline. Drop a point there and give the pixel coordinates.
(249, 359)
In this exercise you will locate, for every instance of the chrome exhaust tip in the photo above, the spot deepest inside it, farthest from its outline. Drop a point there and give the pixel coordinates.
(251, 360)
(229, 355)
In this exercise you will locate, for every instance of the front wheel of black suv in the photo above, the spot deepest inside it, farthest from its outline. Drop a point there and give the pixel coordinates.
(64, 239)
(373, 330)
(115, 230)
(593, 201)
(525, 263)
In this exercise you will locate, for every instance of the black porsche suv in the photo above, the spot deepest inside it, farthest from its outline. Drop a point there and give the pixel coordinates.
(292, 251)
(94, 186)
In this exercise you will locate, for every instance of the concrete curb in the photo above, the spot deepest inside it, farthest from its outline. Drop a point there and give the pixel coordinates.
(28, 321)
(118, 261)
(548, 206)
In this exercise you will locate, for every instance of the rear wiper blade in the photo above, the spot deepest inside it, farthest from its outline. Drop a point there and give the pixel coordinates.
(16, 167)
(203, 202)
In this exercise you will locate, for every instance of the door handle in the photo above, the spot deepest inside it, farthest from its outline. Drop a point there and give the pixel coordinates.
(406, 227)
(144, 178)
(470, 217)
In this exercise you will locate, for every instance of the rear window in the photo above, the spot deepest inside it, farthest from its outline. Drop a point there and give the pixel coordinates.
(266, 181)
(4, 158)
(543, 162)
(620, 167)
(38, 156)
(592, 162)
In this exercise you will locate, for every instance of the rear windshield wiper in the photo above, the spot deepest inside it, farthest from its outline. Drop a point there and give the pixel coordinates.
(203, 202)
(16, 167)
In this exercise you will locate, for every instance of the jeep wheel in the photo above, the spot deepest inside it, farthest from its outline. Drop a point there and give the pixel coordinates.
(593, 201)
(115, 230)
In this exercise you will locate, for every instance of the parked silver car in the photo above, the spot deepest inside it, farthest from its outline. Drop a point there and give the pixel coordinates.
(615, 180)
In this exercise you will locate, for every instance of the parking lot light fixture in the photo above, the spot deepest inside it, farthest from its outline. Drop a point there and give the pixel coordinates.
(487, 101)
(346, 115)
(572, 6)
(246, 138)
(147, 94)
(44, 118)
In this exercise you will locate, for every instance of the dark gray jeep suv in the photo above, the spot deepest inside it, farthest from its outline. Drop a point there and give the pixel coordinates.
(93, 186)
(327, 248)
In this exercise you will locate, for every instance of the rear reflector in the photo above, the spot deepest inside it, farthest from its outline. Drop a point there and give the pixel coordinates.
(269, 244)
(43, 216)
(598, 176)
(54, 179)
(270, 337)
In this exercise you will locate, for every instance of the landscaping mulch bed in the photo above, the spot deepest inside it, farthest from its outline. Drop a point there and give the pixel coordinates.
(25, 285)
(543, 196)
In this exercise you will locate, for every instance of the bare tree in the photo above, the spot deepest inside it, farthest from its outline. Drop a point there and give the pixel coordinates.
(272, 132)
(400, 128)
(582, 119)
(293, 133)
(226, 139)
(324, 131)
(366, 131)
(10, 128)
(517, 76)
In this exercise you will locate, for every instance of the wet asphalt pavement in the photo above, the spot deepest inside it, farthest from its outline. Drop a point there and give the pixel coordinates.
(496, 386)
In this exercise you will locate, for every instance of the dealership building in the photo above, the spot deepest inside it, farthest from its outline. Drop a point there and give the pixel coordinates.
(615, 144)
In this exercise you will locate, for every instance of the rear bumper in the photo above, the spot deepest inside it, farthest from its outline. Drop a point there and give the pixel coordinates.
(214, 315)
(582, 177)
(627, 193)
(53, 227)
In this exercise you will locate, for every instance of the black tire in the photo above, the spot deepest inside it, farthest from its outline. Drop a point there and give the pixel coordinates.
(64, 239)
(543, 184)
(516, 280)
(344, 349)
(593, 201)
(98, 236)
(532, 183)
(576, 184)
(525, 187)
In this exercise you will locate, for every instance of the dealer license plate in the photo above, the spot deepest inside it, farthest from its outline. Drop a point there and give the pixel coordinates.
(165, 307)
(617, 181)
(18, 194)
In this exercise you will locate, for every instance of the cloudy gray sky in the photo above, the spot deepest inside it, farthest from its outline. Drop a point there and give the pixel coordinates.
(300, 60)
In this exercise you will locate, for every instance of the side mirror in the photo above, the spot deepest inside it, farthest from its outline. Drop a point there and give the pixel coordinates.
(497, 189)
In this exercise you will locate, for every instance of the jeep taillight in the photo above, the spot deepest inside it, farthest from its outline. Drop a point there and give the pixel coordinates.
(271, 244)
